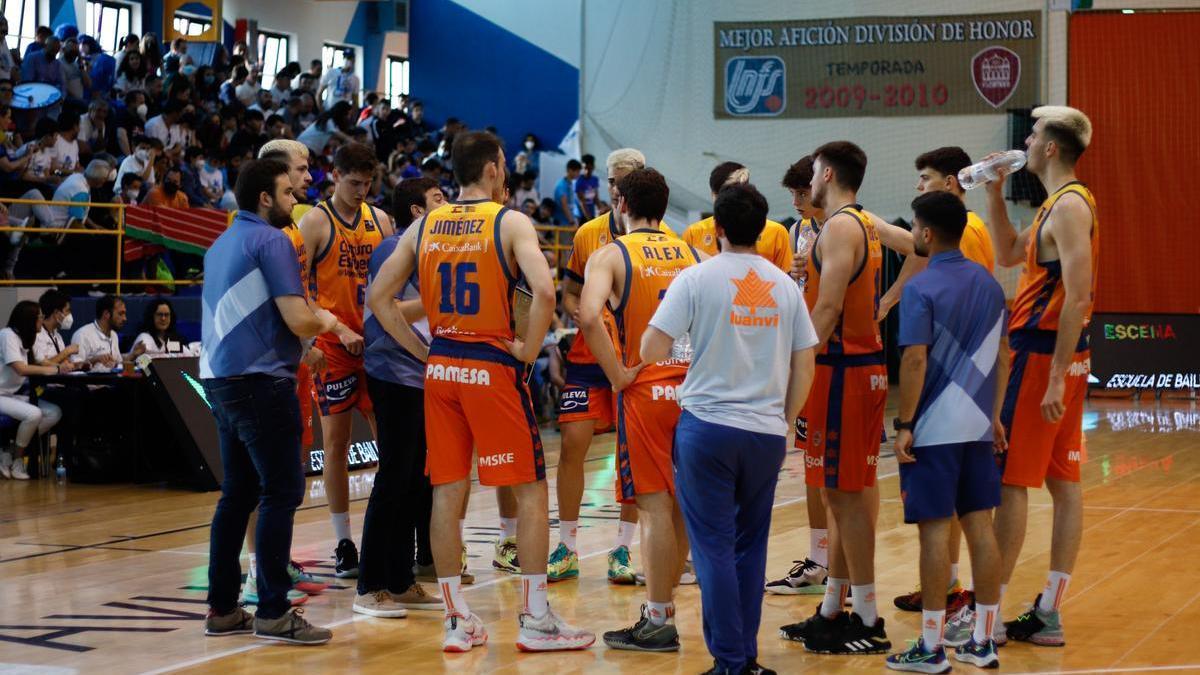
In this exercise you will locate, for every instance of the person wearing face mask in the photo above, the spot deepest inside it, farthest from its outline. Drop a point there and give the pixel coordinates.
(197, 191)
(15, 343)
(141, 162)
(131, 189)
(49, 348)
(170, 193)
(531, 146)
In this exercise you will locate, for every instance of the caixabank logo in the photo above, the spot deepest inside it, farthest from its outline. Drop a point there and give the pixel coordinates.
(755, 86)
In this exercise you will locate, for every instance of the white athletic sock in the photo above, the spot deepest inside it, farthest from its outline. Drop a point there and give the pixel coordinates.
(953, 574)
(253, 573)
(864, 603)
(932, 622)
(1056, 589)
(818, 547)
(508, 527)
(533, 592)
(625, 532)
(660, 613)
(835, 595)
(341, 525)
(452, 597)
(985, 622)
(568, 531)
(1003, 588)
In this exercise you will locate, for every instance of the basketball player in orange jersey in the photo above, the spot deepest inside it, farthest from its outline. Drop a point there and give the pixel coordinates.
(807, 576)
(586, 402)
(937, 171)
(340, 234)
(630, 277)
(773, 243)
(468, 256)
(1043, 407)
(843, 418)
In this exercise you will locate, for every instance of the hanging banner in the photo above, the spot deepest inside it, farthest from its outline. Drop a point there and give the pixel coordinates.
(974, 64)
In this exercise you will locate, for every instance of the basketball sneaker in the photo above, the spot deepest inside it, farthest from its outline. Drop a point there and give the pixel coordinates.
(6, 462)
(292, 628)
(956, 597)
(379, 604)
(303, 581)
(817, 623)
(805, 578)
(463, 633)
(550, 633)
(752, 668)
(347, 560)
(416, 597)
(250, 594)
(465, 576)
(237, 622)
(919, 660)
(620, 567)
(980, 656)
(686, 578)
(961, 627)
(563, 564)
(850, 636)
(644, 636)
(1037, 626)
(505, 558)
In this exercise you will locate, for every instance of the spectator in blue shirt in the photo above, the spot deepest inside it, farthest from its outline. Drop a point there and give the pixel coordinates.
(43, 66)
(102, 67)
(952, 329)
(566, 206)
(39, 41)
(587, 189)
(254, 317)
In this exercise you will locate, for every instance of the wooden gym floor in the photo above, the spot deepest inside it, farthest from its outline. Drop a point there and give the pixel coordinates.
(111, 579)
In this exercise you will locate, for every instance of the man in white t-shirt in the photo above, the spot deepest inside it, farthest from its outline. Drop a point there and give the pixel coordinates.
(166, 129)
(49, 349)
(340, 84)
(66, 146)
(98, 341)
(141, 162)
(752, 367)
(75, 188)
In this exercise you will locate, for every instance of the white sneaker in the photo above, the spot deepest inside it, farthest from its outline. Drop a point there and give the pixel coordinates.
(688, 578)
(960, 628)
(18, 470)
(551, 634)
(463, 633)
(379, 604)
(5, 464)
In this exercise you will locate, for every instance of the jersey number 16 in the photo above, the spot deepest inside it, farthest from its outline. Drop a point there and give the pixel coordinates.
(460, 293)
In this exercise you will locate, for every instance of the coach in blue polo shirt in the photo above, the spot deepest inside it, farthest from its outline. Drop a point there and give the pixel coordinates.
(952, 329)
(254, 318)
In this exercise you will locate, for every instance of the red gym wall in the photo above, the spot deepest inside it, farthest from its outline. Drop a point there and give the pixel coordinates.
(1136, 75)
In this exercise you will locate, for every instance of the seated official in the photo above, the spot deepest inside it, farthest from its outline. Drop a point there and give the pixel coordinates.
(98, 341)
(159, 336)
(49, 348)
(15, 342)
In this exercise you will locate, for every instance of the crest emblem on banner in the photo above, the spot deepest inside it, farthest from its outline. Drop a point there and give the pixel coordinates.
(755, 86)
(996, 71)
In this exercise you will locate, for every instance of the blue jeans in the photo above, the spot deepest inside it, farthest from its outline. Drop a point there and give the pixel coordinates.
(725, 482)
(258, 420)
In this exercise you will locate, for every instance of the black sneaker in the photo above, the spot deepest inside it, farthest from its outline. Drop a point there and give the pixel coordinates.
(814, 625)
(347, 560)
(753, 668)
(851, 637)
(717, 670)
(644, 636)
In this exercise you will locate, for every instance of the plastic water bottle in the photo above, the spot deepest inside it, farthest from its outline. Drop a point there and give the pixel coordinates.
(681, 349)
(804, 243)
(986, 171)
(60, 471)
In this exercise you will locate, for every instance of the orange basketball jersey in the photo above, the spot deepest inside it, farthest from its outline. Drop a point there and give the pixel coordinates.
(589, 238)
(339, 278)
(293, 233)
(1040, 293)
(774, 243)
(652, 261)
(856, 331)
(466, 283)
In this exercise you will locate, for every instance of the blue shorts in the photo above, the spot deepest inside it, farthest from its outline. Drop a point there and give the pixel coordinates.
(947, 479)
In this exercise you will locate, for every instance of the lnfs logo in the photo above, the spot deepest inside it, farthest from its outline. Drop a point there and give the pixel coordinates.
(755, 85)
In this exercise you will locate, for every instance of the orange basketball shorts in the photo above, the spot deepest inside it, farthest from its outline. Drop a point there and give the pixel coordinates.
(342, 386)
(1038, 449)
(304, 393)
(587, 396)
(647, 414)
(478, 403)
(841, 424)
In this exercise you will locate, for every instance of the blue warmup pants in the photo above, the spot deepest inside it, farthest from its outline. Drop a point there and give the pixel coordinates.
(725, 482)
